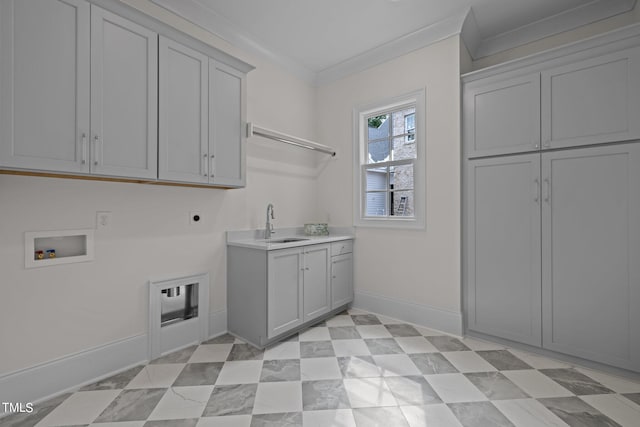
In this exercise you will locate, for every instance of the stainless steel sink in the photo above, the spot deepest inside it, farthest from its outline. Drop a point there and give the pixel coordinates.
(288, 240)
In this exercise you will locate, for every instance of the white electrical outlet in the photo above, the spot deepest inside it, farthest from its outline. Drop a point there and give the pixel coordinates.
(103, 219)
(195, 217)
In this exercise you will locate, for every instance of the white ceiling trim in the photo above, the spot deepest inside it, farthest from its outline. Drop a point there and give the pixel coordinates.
(564, 21)
(402, 45)
(463, 23)
(205, 18)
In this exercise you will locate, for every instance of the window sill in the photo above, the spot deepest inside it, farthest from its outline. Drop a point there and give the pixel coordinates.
(395, 223)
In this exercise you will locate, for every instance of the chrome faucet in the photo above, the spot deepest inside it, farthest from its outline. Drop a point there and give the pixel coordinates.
(268, 231)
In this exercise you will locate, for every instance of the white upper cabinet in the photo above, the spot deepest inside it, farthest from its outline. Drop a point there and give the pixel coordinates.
(502, 115)
(79, 90)
(184, 114)
(110, 91)
(44, 85)
(124, 102)
(202, 117)
(592, 101)
(227, 119)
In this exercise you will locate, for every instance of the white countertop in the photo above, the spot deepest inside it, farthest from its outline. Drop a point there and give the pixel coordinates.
(255, 238)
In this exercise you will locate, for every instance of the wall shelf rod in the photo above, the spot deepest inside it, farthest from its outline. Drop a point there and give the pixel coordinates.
(288, 139)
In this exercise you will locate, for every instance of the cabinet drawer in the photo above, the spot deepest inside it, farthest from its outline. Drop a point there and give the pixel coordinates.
(342, 247)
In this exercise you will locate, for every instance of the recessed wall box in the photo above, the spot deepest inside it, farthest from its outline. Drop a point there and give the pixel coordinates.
(46, 248)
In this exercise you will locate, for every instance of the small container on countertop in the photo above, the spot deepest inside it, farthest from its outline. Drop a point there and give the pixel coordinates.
(316, 229)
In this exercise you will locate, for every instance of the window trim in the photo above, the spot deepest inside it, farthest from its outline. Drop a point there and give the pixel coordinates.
(360, 114)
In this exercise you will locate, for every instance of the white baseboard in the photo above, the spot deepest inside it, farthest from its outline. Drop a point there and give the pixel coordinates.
(419, 314)
(67, 373)
(49, 379)
(217, 322)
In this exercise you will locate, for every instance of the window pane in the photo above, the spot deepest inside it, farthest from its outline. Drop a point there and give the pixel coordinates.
(404, 149)
(377, 179)
(404, 121)
(378, 127)
(378, 151)
(402, 203)
(402, 177)
(376, 204)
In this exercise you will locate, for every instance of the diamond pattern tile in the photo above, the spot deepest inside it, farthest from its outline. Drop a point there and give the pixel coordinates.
(356, 369)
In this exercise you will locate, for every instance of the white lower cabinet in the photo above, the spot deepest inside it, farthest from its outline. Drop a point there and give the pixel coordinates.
(553, 250)
(284, 290)
(298, 286)
(341, 273)
(272, 292)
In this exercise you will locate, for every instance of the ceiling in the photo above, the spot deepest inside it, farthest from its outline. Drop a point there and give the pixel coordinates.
(325, 39)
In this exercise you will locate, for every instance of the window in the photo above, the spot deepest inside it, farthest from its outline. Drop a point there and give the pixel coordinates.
(389, 169)
(410, 126)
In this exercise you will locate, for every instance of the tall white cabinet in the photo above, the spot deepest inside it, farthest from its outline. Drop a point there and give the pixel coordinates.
(591, 253)
(551, 206)
(108, 91)
(504, 247)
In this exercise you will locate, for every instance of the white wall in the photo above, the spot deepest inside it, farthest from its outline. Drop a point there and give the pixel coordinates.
(421, 268)
(48, 313)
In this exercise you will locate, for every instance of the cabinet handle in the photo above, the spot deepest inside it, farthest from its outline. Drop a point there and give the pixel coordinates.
(204, 164)
(84, 148)
(211, 165)
(96, 140)
(537, 190)
(548, 187)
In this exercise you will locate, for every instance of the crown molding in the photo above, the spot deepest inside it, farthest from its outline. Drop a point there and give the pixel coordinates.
(463, 23)
(205, 18)
(402, 45)
(565, 21)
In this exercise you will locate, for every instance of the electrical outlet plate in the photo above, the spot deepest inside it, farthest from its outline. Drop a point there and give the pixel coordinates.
(195, 217)
(103, 219)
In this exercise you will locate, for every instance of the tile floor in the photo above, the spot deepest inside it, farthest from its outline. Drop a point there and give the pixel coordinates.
(355, 369)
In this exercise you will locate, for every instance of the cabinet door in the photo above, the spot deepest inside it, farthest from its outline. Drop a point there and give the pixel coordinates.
(227, 119)
(183, 95)
(124, 97)
(503, 247)
(591, 253)
(317, 298)
(341, 280)
(44, 84)
(284, 291)
(592, 101)
(502, 115)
